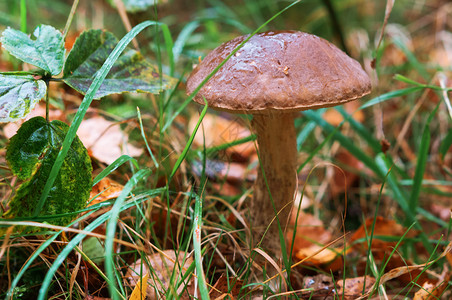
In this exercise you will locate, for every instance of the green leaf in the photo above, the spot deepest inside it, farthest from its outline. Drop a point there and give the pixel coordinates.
(31, 154)
(45, 52)
(19, 95)
(130, 73)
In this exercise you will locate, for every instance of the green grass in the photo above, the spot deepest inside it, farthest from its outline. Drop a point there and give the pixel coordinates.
(166, 204)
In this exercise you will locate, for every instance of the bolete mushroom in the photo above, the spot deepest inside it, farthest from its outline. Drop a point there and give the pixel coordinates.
(272, 76)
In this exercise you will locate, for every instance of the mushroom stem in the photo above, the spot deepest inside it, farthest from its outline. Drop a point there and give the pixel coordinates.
(277, 142)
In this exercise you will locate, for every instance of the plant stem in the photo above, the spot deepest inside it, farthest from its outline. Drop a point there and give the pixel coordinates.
(70, 18)
(23, 16)
(47, 101)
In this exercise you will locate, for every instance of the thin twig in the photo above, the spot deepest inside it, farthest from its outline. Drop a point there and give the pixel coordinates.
(70, 18)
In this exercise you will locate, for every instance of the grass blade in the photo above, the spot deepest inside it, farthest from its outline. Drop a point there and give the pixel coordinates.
(421, 163)
(35, 255)
(79, 237)
(390, 95)
(113, 166)
(100, 76)
(190, 141)
(345, 142)
(197, 224)
(111, 230)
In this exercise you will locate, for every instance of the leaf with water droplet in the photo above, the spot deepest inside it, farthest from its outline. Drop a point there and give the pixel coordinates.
(31, 154)
(46, 51)
(19, 95)
(130, 73)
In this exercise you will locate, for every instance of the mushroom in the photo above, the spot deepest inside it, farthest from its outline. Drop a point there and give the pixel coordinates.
(272, 76)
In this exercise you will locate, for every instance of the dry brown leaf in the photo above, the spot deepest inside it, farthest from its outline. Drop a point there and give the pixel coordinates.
(226, 189)
(106, 189)
(352, 288)
(10, 129)
(310, 231)
(383, 227)
(441, 56)
(335, 118)
(105, 140)
(449, 258)
(344, 178)
(216, 130)
(225, 287)
(395, 262)
(433, 289)
(397, 272)
(90, 297)
(162, 267)
(443, 212)
(310, 235)
(327, 259)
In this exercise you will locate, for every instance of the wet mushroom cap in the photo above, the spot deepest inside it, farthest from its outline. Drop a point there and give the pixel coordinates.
(279, 71)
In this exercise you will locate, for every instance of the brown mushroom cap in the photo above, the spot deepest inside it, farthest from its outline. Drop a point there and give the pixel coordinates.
(279, 71)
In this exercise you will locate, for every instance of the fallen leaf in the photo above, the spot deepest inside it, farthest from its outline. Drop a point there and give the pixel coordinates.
(327, 259)
(225, 287)
(309, 238)
(226, 189)
(383, 227)
(335, 118)
(394, 273)
(441, 56)
(344, 177)
(139, 292)
(90, 297)
(443, 212)
(105, 140)
(105, 189)
(431, 290)
(216, 130)
(310, 231)
(11, 128)
(352, 288)
(164, 268)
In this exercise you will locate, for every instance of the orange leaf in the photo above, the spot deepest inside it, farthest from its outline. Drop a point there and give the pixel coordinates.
(383, 227)
(162, 267)
(139, 292)
(216, 131)
(225, 287)
(106, 189)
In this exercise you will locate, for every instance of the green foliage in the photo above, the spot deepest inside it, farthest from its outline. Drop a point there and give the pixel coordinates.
(45, 52)
(19, 95)
(130, 73)
(31, 154)
(136, 5)
(94, 249)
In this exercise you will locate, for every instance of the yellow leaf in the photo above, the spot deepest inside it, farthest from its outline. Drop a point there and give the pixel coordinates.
(139, 292)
